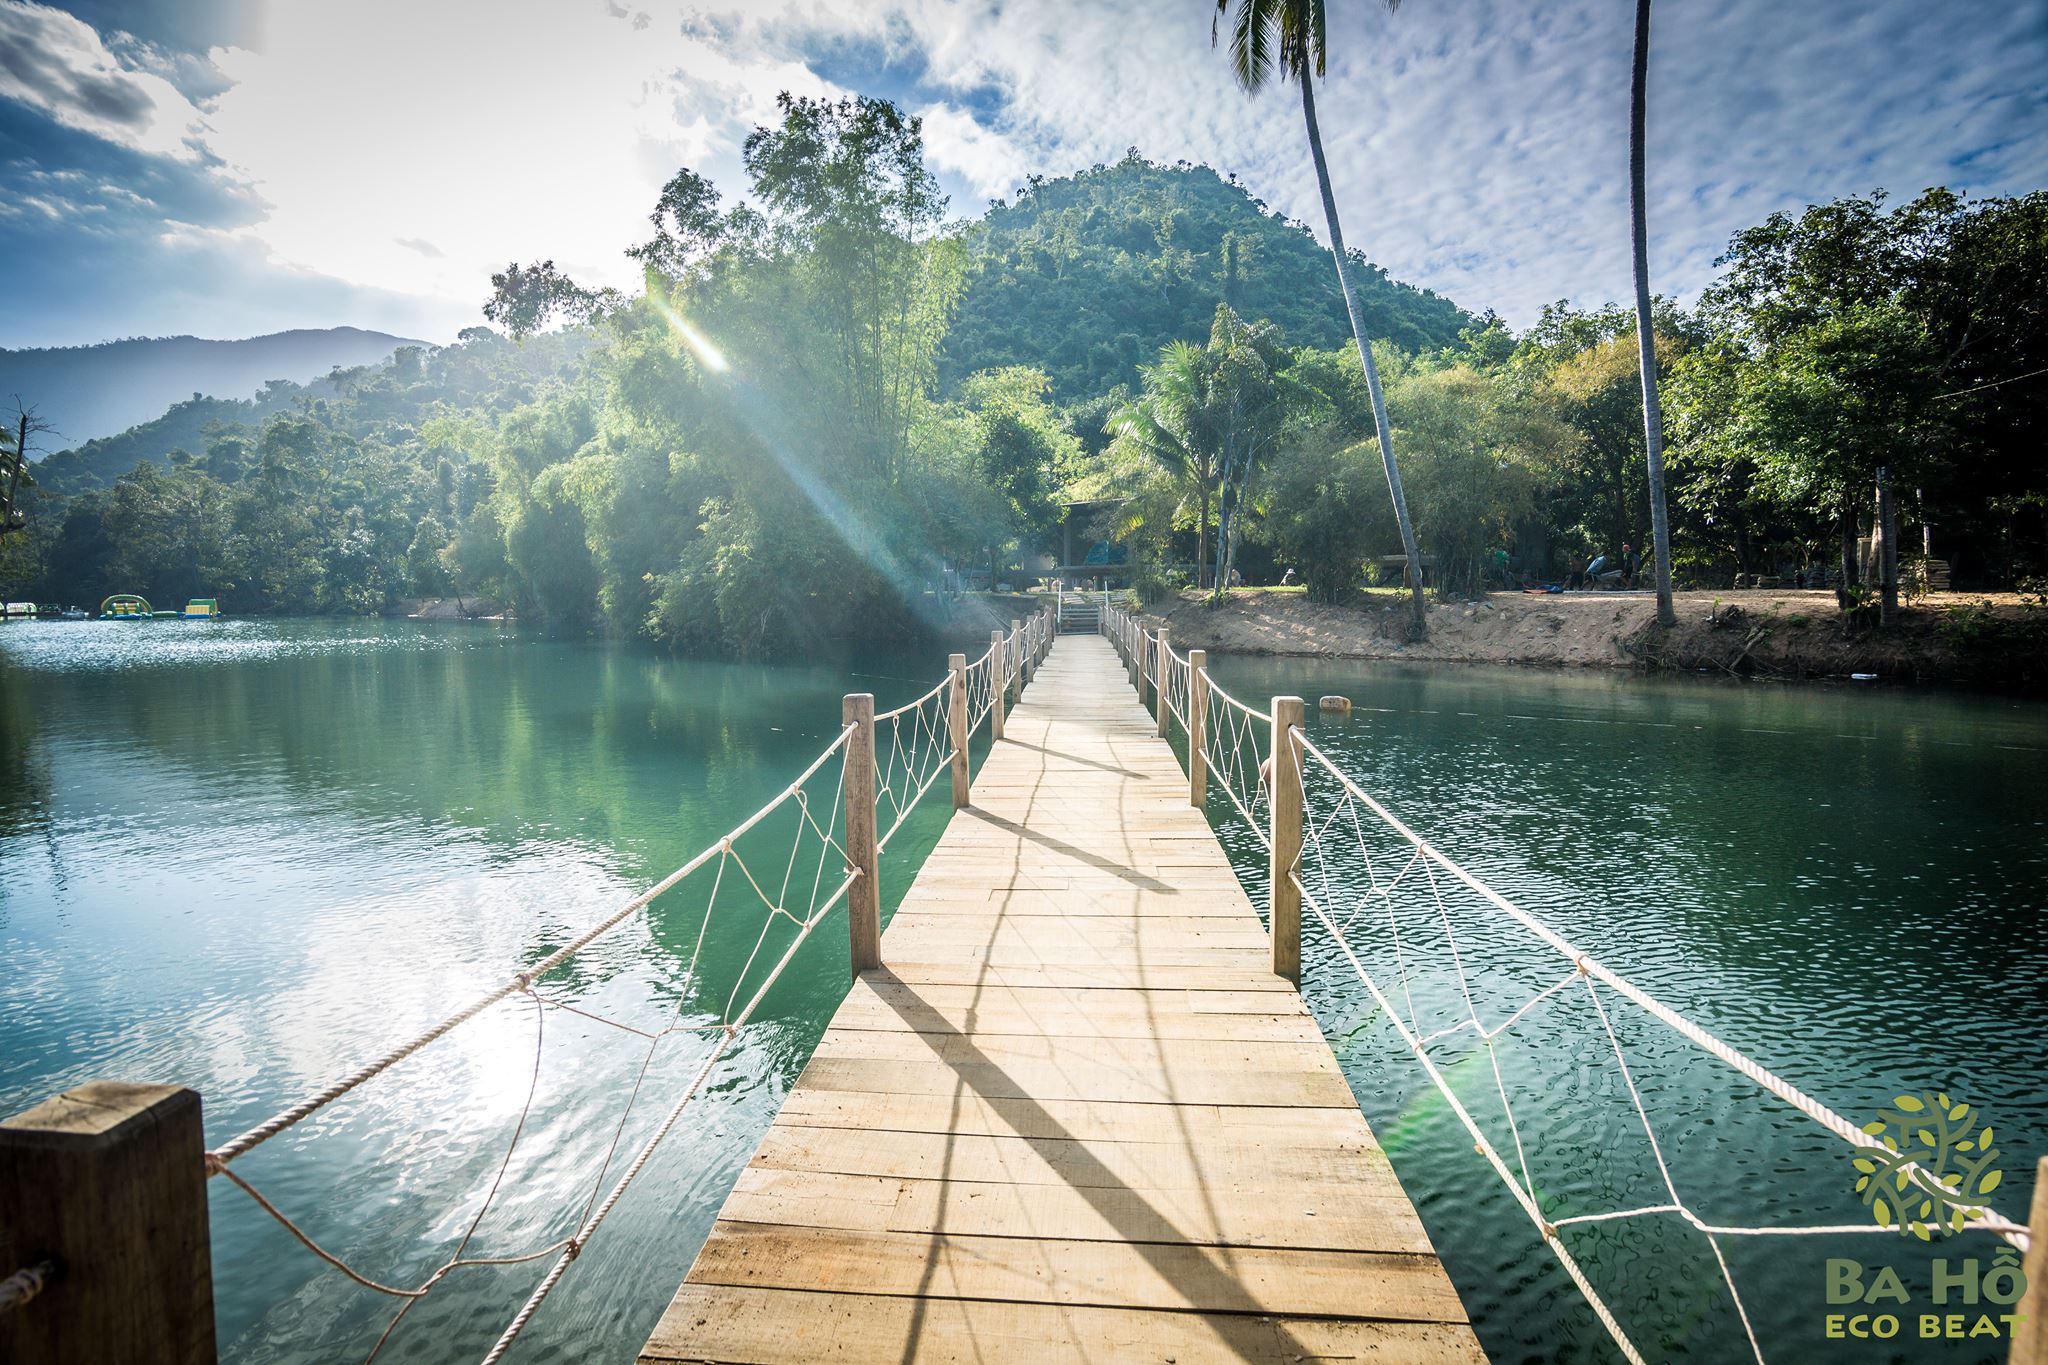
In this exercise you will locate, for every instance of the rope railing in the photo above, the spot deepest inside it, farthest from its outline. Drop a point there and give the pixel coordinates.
(1236, 741)
(912, 745)
(1179, 683)
(1408, 921)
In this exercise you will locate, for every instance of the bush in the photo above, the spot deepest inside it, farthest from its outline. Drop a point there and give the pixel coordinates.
(1328, 500)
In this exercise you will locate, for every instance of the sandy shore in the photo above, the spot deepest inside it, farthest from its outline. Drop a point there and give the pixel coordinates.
(1994, 638)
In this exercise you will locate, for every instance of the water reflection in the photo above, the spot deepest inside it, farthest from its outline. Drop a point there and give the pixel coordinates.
(246, 856)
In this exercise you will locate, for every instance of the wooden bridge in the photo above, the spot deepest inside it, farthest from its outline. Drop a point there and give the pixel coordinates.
(1075, 1114)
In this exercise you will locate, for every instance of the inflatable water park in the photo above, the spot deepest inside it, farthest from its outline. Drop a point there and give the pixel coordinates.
(122, 606)
(127, 606)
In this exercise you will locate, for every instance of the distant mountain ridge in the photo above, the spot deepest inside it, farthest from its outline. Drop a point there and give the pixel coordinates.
(85, 392)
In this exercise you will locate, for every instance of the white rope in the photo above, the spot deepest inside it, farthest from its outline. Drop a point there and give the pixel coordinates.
(220, 1156)
(1321, 899)
(1479, 1140)
(1976, 1215)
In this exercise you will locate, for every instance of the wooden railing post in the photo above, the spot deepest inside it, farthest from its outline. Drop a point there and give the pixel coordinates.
(2030, 1341)
(956, 722)
(1013, 662)
(107, 1184)
(998, 684)
(864, 897)
(1284, 900)
(1136, 658)
(1198, 728)
(1165, 661)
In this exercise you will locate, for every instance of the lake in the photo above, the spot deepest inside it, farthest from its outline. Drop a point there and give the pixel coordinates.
(245, 856)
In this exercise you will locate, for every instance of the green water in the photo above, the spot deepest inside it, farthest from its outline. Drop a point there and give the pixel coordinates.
(1848, 884)
(245, 856)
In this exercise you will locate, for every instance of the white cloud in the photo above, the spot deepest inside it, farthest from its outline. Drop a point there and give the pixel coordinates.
(989, 162)
(371, 127)
(1476, 148)
(1480, 149)
(56, 63)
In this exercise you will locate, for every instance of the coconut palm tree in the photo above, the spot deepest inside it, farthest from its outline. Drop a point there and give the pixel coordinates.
(1285, 38)
(1164, 427)
(1646, 333)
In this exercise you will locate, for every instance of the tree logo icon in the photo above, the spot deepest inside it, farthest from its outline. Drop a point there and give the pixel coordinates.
(1935, 1171)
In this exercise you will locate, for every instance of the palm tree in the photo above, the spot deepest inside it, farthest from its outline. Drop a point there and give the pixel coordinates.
(1162, 427)
(1287, 37)
(1646, 334)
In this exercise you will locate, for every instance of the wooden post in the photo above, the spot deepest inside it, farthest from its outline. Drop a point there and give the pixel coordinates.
(864, 897)
(1284, 900)
(956, 716)
(1136, 659)
(1161, 711)
(2030, 1341)
(1198, 728)
(1024, 654)
(998, 684)
(108, 1182)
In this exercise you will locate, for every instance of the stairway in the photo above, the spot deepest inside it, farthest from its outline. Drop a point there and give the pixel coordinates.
(1080, 612)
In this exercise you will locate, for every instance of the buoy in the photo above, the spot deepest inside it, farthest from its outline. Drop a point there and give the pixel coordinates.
(1341, 705)
(1863, 677)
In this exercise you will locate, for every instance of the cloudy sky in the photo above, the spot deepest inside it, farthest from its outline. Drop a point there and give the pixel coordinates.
(229, 167)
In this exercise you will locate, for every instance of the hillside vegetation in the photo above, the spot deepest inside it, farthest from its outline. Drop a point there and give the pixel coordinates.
(1086, 277)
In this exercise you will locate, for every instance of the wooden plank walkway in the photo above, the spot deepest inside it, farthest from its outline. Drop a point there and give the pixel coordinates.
(1074, 1116)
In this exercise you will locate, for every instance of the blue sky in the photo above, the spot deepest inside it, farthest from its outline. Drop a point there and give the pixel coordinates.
(228, 167)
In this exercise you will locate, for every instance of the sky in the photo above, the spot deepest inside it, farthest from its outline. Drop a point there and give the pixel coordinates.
(231, 167)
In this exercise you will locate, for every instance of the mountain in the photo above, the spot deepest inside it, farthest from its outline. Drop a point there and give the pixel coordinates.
(1089, 275)
(86, 392)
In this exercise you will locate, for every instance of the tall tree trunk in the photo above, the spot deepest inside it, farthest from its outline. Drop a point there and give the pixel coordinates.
(14, 474)
(1372, 374)
(1202, 542)
(1848, 549)
(1887, 533)
(1646, 335)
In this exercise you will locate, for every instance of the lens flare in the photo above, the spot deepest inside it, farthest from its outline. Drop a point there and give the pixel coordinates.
(708, 355)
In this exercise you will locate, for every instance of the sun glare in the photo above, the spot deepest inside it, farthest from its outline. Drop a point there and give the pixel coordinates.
(708, 355)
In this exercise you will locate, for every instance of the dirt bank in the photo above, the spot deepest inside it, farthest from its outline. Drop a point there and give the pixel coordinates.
(1996, 639)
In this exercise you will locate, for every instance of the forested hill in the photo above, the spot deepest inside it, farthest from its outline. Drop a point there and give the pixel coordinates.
(85, 392)
(1087, 276)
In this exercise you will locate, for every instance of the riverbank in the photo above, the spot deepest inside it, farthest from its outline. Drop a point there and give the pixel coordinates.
(1996, 639)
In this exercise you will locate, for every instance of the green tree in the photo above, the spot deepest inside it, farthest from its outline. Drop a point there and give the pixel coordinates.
(1290, 35)
(426, 573)
(1163, 427)
(1325, 512)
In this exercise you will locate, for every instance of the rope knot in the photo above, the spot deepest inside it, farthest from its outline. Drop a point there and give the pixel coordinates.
(1580, 963)
(215, 1164)
(522, 981)
(574, 1249)
(1550, 1231)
